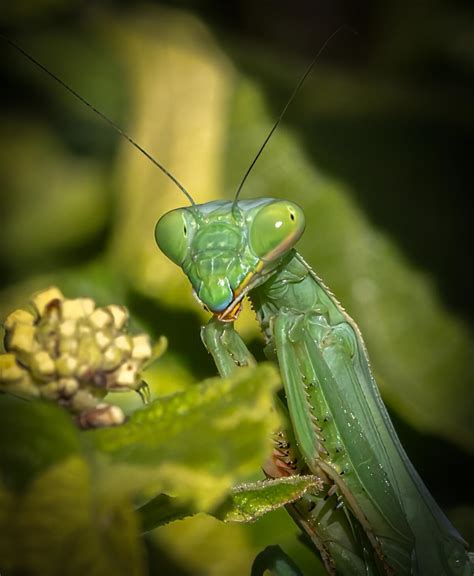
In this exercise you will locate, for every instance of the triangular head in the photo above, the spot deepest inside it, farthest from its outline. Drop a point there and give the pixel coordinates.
(227, 248)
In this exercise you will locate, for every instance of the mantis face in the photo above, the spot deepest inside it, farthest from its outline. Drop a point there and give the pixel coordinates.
(226, 250)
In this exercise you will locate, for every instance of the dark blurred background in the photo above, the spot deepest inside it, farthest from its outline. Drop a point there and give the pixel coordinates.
(377, 148)
(405, 152)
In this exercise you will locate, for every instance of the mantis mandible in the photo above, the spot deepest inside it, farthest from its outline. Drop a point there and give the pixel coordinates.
(375, 515)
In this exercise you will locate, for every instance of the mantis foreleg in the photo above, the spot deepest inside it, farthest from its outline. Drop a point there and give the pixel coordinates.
(226, 346)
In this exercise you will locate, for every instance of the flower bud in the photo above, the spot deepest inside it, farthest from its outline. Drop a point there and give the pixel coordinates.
(74, 353)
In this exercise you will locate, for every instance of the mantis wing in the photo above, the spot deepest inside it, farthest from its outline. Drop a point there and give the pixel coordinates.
(334, 353)
(333, 441)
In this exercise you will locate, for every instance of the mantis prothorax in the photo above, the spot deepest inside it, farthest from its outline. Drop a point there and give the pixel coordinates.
(375, 515)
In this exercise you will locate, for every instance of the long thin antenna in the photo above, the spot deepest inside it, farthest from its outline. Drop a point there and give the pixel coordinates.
(290, 100)
(101, 115)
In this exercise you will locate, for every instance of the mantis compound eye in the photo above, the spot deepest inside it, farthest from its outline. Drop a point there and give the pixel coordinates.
(173, 233)
(275, 229)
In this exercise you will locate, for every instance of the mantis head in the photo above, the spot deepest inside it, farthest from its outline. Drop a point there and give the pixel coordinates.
(226, 249)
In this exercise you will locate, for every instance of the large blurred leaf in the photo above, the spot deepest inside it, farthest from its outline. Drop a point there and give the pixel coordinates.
(194, 444)
(57, 528)
(65, 495)
(74, 529)
(51, 202)
(51, 521)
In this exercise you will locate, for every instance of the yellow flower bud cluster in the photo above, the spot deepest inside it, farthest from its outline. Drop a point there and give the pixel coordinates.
(74, 353)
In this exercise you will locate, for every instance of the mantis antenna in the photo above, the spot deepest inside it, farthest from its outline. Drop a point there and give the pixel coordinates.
(285, 108)
(101, 115)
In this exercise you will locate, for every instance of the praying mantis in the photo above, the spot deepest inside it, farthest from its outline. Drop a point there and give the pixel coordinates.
(341, 430)
(374, 515)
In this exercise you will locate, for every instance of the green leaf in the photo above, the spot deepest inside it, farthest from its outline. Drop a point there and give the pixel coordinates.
(44, 216)
(248, 502)
(65, 494)
(161, 510)
(195, 444)
(276, 562)
(50, 515)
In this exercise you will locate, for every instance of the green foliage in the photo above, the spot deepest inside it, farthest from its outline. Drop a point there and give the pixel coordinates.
(50, 516)
(57, 526)
(248, 502)
(63, 490)
(47, 216)
(195, 444)
(276, 561)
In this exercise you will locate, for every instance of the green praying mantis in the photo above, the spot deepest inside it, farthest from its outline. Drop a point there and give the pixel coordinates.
(374, 514)
(340, 428)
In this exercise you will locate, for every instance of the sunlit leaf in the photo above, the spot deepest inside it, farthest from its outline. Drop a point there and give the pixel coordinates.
(194, 444)
(248, 502)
